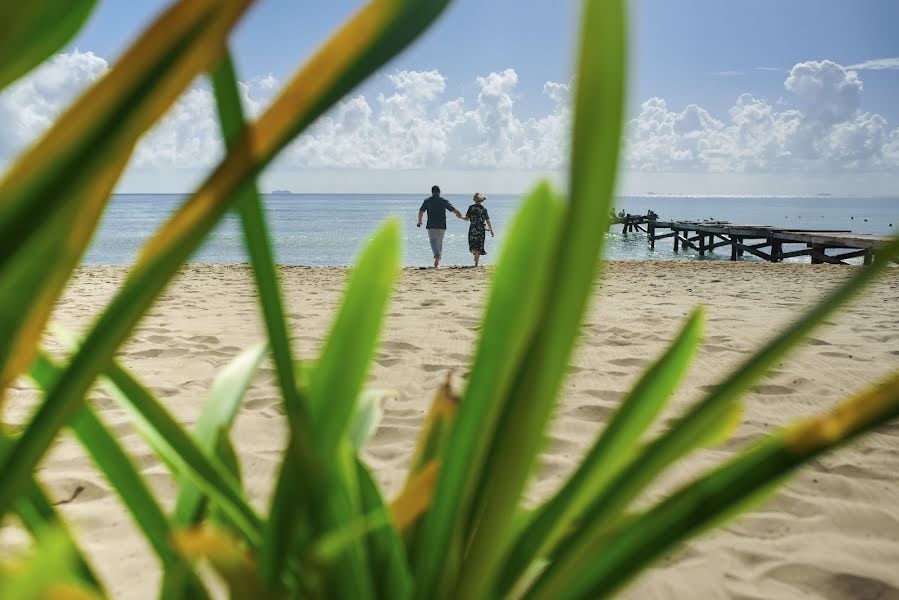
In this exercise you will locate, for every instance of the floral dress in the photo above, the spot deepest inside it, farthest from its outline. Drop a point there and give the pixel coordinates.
(478, 216)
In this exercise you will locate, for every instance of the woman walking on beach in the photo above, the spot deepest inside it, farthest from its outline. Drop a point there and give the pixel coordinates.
(478, 217)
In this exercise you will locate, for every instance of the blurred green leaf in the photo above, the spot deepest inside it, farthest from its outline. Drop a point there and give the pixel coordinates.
(47, 574)
(38, 514)
(52, 197)
(349, 577)
(215, 422)
(387, 560)
(596, 572)
(599, 115)
(258, 241)
(510, 320)
(175, 446)
(30, 32)
(178, 449)
(343, 364)
(714, 415)
(367, 416)
(227, 555)
(435, 433)
(615, 448)
(124, 477)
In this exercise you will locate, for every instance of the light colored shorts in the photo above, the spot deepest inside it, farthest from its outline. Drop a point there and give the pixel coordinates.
(435, 236)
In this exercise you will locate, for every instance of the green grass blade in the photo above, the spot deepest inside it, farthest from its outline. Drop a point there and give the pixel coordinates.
(215, 422)
(373, 36)
(617, 446)
(48, 573)
(52, 197)
(386, 556)
(510, 319)
(334, 387)
(343, 364)
(599, 115)
(366, 418)
(718, 495)
(715, 412)
(38, 514)
(258, 241)
(178, 449)
(349, 577)
(118, 469)
(32, 31)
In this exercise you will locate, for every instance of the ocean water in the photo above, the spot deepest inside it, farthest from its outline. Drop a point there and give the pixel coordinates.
(323, 229)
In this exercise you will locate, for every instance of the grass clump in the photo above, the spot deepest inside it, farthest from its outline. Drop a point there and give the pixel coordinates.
(458, 528)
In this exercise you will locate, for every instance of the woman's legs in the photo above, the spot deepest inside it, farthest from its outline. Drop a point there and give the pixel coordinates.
(477, 256)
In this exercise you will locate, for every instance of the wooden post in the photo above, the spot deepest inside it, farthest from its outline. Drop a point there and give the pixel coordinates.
(776, 250)
(676, 239)
(701, 243)
(652, 234)
(740, 250)
(869, 257)
(733, 247)
(815, 259)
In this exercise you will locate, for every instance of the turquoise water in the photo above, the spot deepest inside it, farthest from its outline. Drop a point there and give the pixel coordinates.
(322, 229)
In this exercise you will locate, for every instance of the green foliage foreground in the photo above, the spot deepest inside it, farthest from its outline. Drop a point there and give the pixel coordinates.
(458, 529)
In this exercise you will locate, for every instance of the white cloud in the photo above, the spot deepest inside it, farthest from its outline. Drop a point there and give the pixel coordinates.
(29, 106)
(824, 131)
(414, 128)
(818, 127)
(877, 64)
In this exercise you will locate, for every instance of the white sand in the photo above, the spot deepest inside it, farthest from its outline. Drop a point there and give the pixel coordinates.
(833, 532)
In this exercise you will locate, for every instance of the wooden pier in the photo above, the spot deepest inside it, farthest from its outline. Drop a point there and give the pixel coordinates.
(764, 241)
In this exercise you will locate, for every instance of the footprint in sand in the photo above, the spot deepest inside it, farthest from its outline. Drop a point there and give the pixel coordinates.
(592, 412)
(772, 390)
(204, 339)
(399, 346)
(628, 362)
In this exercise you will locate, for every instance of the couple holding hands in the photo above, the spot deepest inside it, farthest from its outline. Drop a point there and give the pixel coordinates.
(437, 207)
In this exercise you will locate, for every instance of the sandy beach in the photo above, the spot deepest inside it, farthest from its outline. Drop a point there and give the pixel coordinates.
(832, 533)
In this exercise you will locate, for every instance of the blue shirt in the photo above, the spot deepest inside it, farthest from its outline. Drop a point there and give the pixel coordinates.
(436, 207)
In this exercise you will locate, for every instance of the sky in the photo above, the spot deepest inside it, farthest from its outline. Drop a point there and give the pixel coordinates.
(756, 98)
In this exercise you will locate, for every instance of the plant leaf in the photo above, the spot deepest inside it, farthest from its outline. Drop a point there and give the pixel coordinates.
(416, 497)
(30, 32)
(386, 559)
(511, 318)
(52, 197)
(227, 555)
(38, 514)
(367, 416)
(615, 448)
(175, 446)
(717, 495)
(215, 422)
(714, 415)
(48, 573)
(131, 488)
(258, 241)
(598, 120)
(343, 364)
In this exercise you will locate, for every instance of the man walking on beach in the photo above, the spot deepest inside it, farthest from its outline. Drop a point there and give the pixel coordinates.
(436, 208)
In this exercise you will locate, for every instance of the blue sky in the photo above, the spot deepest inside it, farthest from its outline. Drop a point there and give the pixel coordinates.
(726, 97)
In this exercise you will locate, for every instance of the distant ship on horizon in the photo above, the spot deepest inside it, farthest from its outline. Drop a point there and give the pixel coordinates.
(281, 193)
